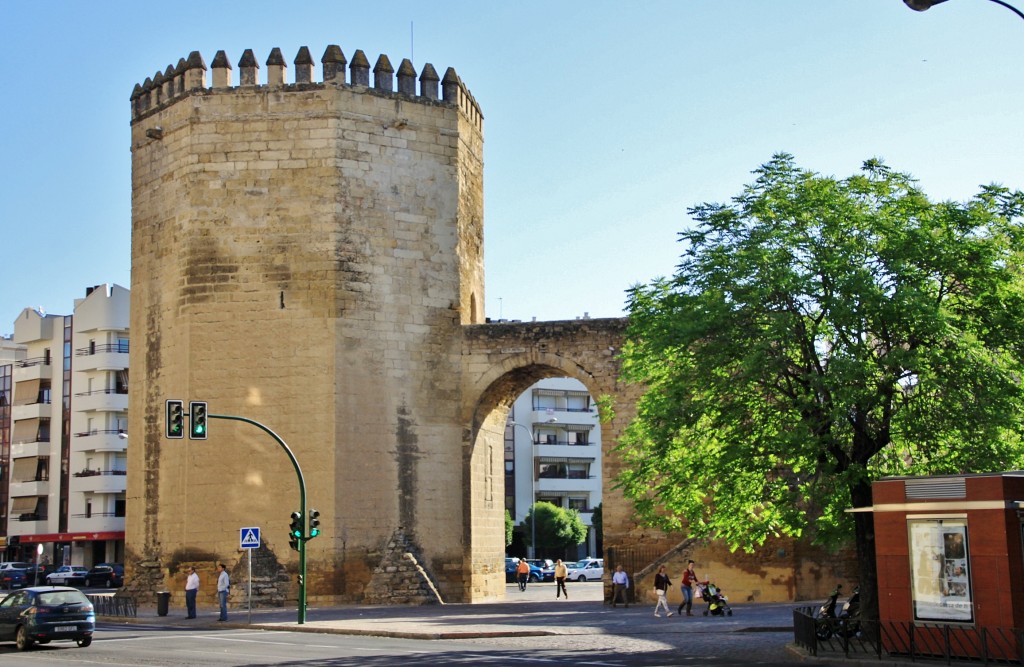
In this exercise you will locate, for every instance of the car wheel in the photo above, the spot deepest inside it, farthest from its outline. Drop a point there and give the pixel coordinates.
(534, 578)
(83, 642)
(22, 640)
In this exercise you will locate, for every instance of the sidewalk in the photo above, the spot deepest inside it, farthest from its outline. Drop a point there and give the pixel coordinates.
(534, 615)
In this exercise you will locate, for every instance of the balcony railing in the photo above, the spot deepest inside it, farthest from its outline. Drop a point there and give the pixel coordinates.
(99, 515)
(564, 443)
(32, 516)
(120, 348)
(34, 361)
(102, 431)
(96, 473)
(98, 392)
(566, 475)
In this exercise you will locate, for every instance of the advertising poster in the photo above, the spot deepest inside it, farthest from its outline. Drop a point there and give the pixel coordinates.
(941, 584)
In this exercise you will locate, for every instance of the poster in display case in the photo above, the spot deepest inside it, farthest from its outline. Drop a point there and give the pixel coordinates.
(940, 576)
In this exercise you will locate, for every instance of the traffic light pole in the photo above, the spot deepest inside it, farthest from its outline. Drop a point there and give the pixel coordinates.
(302, 505)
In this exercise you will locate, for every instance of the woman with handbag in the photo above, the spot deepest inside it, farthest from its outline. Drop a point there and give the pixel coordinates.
(661, 584)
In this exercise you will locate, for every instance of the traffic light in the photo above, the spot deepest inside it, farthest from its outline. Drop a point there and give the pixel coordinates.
(197, 423)
(300, 580)
(175, 419)
(314, 523)
(295, 530)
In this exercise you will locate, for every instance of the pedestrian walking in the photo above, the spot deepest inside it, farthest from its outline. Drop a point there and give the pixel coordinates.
(561, 572)
(223, 588)
(620, 586)
(191, 591)
(686, 583)
(661, 584)
(523, 573)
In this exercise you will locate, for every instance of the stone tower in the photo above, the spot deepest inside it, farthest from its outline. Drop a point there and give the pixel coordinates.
(305, 255)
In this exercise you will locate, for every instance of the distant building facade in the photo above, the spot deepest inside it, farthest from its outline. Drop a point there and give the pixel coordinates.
(64, 444)
(553, 454)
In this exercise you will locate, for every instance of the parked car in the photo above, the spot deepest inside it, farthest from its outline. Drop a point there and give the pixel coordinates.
(12, 578)
(67, 575)
(547, 567)
(108, 575)
(588, 569)
(42, 614)
(511, 574)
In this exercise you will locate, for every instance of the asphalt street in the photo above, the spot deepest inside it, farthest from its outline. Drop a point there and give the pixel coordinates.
(531, 628)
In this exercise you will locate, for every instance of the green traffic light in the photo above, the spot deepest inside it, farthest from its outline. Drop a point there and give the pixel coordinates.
(314, 532)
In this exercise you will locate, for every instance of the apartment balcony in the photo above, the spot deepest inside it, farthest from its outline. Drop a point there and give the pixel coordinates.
(38, 368)
(97, 522)
(99, 441)
(562, 415)
(32, 487)
(549, 484)
(29, 449)
(589, 452)
(28, 524)
(101, 400)
(98, 481)
(32, 411)
(102, 358)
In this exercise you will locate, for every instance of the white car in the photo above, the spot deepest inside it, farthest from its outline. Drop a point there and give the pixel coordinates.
(67, 575)
(590, 569)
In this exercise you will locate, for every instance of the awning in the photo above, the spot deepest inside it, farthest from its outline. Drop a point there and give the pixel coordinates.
(24, 504)
(563, 459)
(576, 427)
(577, 393)
(27, 392)
(24, 469)
(26, 430)
(73, 537)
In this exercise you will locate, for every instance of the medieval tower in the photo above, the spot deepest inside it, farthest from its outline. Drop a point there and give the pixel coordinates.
(305, 254)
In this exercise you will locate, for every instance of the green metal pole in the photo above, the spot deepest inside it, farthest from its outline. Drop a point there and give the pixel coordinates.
(302, 506)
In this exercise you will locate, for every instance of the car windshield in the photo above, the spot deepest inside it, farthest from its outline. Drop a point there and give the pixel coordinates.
(57, 598)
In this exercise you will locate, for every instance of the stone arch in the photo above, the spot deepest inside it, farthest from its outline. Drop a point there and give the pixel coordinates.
(512, 357)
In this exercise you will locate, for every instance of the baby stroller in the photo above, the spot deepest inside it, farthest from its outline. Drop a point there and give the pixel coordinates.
(718, 604)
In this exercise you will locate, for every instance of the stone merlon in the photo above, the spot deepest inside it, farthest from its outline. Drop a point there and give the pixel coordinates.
(189, 77)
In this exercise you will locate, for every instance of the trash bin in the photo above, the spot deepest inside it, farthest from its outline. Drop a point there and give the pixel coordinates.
(163, 601)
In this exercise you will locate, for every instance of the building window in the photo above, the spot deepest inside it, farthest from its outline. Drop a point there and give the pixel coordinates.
(939, 569)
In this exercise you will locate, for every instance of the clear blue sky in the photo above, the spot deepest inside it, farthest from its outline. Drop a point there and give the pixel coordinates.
(604, 121)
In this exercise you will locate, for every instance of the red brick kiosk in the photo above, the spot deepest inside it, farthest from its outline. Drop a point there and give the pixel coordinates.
(951, 564)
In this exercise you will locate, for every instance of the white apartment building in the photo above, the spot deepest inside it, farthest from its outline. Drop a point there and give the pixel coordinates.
(553, 454)
(65, 468)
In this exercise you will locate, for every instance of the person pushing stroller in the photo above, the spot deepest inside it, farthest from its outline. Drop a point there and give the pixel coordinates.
(686, 584)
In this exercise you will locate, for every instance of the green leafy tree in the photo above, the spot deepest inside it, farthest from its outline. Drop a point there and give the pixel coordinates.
(509, 526)
(820, 333)
(557, 527)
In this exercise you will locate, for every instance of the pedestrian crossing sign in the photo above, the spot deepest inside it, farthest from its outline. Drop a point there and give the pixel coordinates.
(249, 538)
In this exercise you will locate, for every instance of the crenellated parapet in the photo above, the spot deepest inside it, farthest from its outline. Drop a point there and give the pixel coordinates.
(189, 75)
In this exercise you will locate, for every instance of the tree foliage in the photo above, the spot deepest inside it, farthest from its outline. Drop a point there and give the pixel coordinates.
(557, 527)
(820, 333)
(509, 527)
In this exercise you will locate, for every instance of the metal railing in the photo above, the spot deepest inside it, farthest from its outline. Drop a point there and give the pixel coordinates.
(112, 347)
(112, 605)
(916, 641)
(34, 361)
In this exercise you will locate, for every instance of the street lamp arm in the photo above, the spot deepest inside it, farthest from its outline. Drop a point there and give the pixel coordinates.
(922, 5)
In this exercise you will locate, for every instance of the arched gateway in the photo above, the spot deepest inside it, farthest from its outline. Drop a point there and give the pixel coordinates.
(310, 256)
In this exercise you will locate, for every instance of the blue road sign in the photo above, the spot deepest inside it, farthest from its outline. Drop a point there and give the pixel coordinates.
(249, 538)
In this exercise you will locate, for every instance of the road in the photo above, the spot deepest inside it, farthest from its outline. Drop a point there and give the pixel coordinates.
(598, 637)
(160, 646)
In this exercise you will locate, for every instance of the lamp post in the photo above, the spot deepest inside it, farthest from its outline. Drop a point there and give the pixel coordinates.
(922, 5)
(533, 484)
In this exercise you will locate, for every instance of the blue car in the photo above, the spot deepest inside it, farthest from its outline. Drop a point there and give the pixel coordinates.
(511, 576)
(13, 578)
(41, 614)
